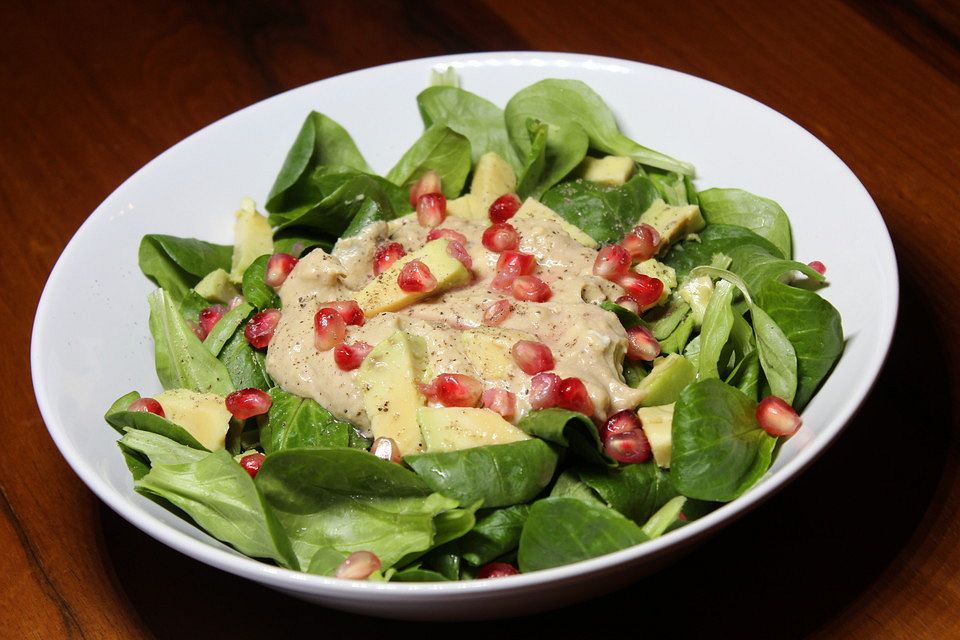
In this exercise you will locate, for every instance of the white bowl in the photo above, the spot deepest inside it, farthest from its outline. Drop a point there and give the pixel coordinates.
(91, 342)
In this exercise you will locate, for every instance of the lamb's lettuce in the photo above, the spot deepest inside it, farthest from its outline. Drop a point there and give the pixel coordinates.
(605, 213)
(439, 149)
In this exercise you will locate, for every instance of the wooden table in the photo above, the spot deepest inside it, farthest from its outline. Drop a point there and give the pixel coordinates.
(866, 544)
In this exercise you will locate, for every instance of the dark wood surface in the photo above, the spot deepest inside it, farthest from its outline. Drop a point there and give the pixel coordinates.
(866, 544)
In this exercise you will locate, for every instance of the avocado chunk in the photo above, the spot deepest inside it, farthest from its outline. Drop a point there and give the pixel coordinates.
(533, 209)
(657, 426)
(389, 378)
(697, 292)
(673, 223)
(383, 293)
(253, 238)
(490, 350)
(611, 171)
(216, 286)
(662, 272)
(492, 178)
(202, 415)
(666, 380)
(453, 428)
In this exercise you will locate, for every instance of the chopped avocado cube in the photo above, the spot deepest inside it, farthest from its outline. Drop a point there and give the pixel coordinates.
(383, 293)
(612, 171)
(253, 238)
(697, 292)
(673, 223)
(389, 379)
(533, 209)
(657, 426)
(666, 380)
(203, 415)
(492, 178)
(216, 286)
(453, 428)
(662, 272)
(489, 349)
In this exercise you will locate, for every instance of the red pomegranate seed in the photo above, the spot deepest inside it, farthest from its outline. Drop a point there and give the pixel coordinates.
(251, 463)
(147, 404)
(329, 329)
(531, 289)
(247, 403)
(429, 182)
(573, 396)
(504, 207)
(500, 401)
(278, 268)
(456, 249)
(431, 209)
(350, 356)
(544, 390)
(818, 266)
(641, 345)
(349, 310)
(620, 422)
(386, 255)
(532, 357)
(415, 276)
(449, 234)
(386, 449)
(630, 447)
(501, 237)
(641, 242)
(457, 390)
(641, 288)
(359, 565)
(627, 303)
(776, 417)
(496, 312)
(510, 266)
(209, 317)
(612, 262)
(260, 328)
(497, 570)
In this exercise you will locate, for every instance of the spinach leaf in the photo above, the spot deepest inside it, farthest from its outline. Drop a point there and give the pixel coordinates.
(555, 151)
(671, 185)
(417, 574)
(635, 490)
(563, 102)
(137, 463)
(325, 561)
(255, 290)
(496, 533)
(499, 475)
(719, 450)
(604, 213)
(746, 376)
(439, 149)
(560, 531)
(120, 419)
(569, 429)
(761, 215)
(634, 371)
(626, 317)
(178, 264)
(777, 356)
(715, 331)
(714, 239)
(222, 498)
(182, 362)
(245, 365)
(678, 338)
(569, 485)
(664, 518)
(663, 321)
(756, 266)
(301, 423)
(159, 449)
(226, 327)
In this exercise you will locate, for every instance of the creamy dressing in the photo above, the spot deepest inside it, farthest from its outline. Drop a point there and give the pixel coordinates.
(587, 342)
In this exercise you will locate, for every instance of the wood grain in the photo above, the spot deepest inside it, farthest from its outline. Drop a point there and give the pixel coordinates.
(866, 544)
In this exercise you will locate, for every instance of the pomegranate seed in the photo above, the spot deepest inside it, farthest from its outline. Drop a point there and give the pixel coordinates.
(429, 182)
(251, 463)
(260, 328)
(641, 242)
(497, 570)
(501, 237)
(531, 289)
(235, 302)
(329, 329)
(386, 255)
(612, 262)
(510, 266)
(349, 310)
(573, 396)
(247, 403)
(457, 390)
(641, 345)
(620, 422)
(532, 357)
(349, 357)
(818, 266)
(431, 209)
(359, 565)
(386, 449)
(208, 318)
(500, 401)
(544, 390)
(643, 289)
(776, 417)
(504, 207)
(449, 234)
(630, 447)
(497, 312)
(456, 250)
(415, 277)
(278, 268)
(149, 405)
(627, 303)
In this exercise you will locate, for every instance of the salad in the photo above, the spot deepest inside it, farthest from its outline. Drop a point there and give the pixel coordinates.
(532, 342)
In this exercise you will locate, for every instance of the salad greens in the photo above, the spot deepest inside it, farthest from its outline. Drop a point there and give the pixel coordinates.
(552, 499)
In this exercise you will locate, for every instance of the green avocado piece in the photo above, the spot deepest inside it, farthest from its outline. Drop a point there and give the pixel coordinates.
(666, 380)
